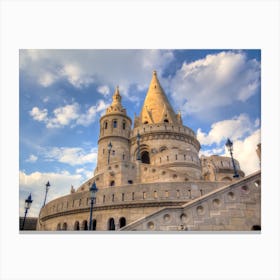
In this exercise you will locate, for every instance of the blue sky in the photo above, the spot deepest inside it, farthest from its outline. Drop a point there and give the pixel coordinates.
(63, 93)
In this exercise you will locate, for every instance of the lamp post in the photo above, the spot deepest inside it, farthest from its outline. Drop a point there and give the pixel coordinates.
(28, 202)
(109, 151)
(229, 146)
(47, 189)
(138, 146)
(93, 190)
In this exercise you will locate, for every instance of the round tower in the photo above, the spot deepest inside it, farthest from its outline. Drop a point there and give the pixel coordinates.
(113, 142)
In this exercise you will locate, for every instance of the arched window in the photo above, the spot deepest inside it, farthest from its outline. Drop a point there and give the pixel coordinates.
(77, 225)
(123, 125)
(85, 225)
(122, 222)
(115, 123)
(145, 157)
(105, 125)
(64, 227)
(145, 122)
(166, 120)
(176, 157)
(58, 227)
(256, 227)
(111, 224)
(112, 183)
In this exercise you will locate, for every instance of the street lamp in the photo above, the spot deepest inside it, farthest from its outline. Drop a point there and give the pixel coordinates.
(109, 151)
(229, 146)
(138, 146)
(47, 189)
(93, 190)
(28, 202)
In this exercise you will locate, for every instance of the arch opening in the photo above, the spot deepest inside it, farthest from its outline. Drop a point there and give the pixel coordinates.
(111, 224)
(145, 157)
(256, 227)
(122, 222)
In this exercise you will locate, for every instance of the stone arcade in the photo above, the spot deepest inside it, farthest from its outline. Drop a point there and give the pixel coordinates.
(159, 183)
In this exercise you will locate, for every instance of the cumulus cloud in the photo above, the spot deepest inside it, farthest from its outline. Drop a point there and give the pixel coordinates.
(35, 182)
(245, 135)
(104, 90)
(234, 129)
(39, 115)
(32, 158)
(72, 156)
(218, 79)
(101, 67)
(68, 115)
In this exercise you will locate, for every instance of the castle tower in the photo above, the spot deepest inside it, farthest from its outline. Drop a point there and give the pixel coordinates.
(156, 108)
(115, 128)
(165, 142)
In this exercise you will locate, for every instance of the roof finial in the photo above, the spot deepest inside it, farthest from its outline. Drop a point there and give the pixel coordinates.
(155, 72)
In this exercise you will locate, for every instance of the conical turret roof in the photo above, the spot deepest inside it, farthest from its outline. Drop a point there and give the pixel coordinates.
(156, 108)
(116, 106)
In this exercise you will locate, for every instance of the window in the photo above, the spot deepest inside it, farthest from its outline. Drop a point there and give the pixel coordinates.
(178, 193)
(144, 195)
(106, 125)
(166, 194)
(104, 198)
(201, 192)
(155, 194)
(176, 157)
(58, 227)
(80, 202)
(123, 125)
(166, 121)
(112, 183)
(130, 182)
(145, 122)
(145, 157)
(122, 196)
(115, 123)
(167, 158)
(160, 160)
(123, 156)
(133, 196)
(113, 197)
(256, 227)
(184, 157)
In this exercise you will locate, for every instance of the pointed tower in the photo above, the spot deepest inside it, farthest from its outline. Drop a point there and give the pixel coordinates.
(115, 126)
(156, 108)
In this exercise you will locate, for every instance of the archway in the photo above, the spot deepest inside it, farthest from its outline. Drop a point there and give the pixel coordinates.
(145, 157)
(77, 225)
(122, 222)
(85, 225)
(256, 227)
(64, 227)
(111, 224)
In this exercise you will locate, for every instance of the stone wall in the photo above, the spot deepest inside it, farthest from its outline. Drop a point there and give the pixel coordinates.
(235, 207)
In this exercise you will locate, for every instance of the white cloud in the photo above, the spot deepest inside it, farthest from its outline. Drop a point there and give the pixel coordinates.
(102, 67)
(32, 158)
(90, 116)
(245, 136)
(35, 182)
(104, 90)
(69, 115)
(46, 79)
(39, 115)
(218, 79)
(234, 129)
(245, 152)
(64, 115)
(72, 156)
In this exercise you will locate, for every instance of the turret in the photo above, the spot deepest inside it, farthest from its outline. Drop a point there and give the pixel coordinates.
(115, 126)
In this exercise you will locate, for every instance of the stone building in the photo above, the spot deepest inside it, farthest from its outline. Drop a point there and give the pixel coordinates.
(150, 178)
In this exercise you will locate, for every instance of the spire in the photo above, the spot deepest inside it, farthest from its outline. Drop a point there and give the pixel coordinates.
(156, 108)
(116, 106)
